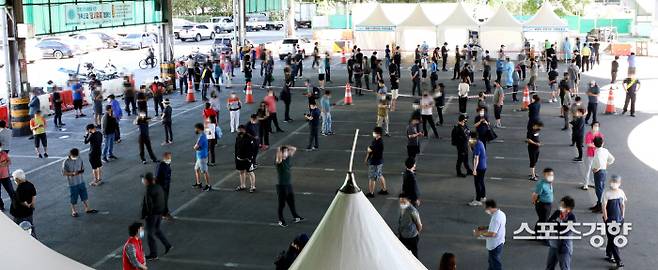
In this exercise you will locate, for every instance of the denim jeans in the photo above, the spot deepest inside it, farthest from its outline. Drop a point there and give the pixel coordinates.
(599, 184)
(495, 258)
(109, 145)
(326, 122)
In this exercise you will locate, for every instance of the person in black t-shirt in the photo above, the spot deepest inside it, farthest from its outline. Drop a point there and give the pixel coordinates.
(631, 85)
(375, 161)
(22, 205)
(444, 56)
(57, 104)
(313, 118)
(552, 82)
(142, 98)
(95, 140)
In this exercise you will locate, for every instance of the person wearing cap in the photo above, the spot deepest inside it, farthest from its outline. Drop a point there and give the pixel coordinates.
(409, 224)
(23, 204)
(153, 207)
(118, 114)
(459, 138)
(592, 101)
(132, 255)
(94, 138)
(166, 122)
(613, 209)
(73, 168)
(38, 127)
(110, 126)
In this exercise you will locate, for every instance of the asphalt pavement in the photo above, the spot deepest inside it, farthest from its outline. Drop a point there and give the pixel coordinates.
(224, 229)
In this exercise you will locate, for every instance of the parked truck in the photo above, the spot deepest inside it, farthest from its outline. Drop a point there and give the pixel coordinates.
(220, 24)
(304, 13)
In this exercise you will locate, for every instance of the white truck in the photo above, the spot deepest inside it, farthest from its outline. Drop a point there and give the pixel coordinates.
(304, 13)
(221, 24)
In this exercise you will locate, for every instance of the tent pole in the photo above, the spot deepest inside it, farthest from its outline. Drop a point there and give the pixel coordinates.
(356, 137)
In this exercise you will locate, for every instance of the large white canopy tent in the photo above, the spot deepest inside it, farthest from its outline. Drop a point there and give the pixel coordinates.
(455, 28)
(352, 235)
(415, 30)
(545, 25)
(21, 251)
(501, 29)
(374, 31)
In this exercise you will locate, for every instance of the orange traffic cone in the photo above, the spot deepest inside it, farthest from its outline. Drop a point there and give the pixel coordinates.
(343, 60)
(526, 99)
(250, 95)
(610, 108)
(348, 94)
(190, 92)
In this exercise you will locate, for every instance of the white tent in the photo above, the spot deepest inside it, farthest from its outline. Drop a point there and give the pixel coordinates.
(22, 251)
(455, 28)
(375, 31)
(501, 29)
(415, 30)
(545, 25)
(352, 235)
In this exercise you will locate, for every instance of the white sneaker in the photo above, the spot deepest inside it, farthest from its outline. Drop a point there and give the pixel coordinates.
(484, 199)
(474, 203)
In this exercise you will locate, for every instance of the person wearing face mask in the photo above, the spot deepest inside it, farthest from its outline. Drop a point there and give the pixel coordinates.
(462, 92)
(578, 133)
(494, 234)
(591, 150)
(533, 110)
(163, 178)
(409, 224)
(592, 101)
(532, 139)
(542, 197)
(426, 112)
(244, 157)
(375, 161)
(132, 257)
(459, 138)
(600, 162)
(479, 168)
(234, 105)
(73, 169)
(560, 250)
(382, 115)
(142, 98)
(153, 207)
(613, 209)
(142, 121)
(5, 161)
(201, 165)
(23, 204)
(284, 191)
(409, 183)
(482, 126)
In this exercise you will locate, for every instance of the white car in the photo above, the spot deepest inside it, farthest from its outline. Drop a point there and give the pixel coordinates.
(292, 45)
(178, 25)
(137, 41)
(90, 42)
(196, 32)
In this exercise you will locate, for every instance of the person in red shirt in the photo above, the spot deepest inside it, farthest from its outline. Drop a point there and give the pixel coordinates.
(133, 252)
(209, 112)
(591, 150)
(5, 181)
(271, 100)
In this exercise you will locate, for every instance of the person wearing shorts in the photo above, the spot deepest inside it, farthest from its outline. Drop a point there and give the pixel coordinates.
(201, 165)
(77, 99)
(375, 160)
(38, 127)
(244, 147)
(73, 169)
(95, 140)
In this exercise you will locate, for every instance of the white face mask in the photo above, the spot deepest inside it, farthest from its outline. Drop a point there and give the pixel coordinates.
(562, 209)
(167, 161)
(481, 113)
(404, 206)
(142, 115)
(471, 141)
(595, 129)
(74, 158)
(489, 212)
(374, 135)
(615, 185)
(141, 233)
(550, 178)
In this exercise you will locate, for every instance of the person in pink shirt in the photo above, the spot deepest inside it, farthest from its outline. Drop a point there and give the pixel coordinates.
(591, 150)
(271, 100)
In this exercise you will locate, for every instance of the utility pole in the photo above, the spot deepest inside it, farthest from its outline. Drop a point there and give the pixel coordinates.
(18, 86)
(290, 18)
(167, 33)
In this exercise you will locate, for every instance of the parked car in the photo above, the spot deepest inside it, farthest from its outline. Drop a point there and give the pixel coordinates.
(196, 32)
(221, 24)
(198, 57)
(56, 49)
(75, 44)
(109, 41)
(137, 41)
(178, 25)
(292, 45)
(256, 23)
(273, 25)
(223, 44)
(89, 42)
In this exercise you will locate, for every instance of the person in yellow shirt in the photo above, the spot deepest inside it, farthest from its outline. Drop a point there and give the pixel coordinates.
(586, 53)
(38, 127)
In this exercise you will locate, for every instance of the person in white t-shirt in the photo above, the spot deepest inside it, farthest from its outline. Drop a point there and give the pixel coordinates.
(494, 234)
(614, 208)
(426, 112)
(463, 89)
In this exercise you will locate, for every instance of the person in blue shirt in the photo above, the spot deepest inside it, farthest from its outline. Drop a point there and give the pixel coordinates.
(542, 197)
(614, 208)
(201, 165)
(325, 112)
(479, 168)
(77, 99)
(561, 249)
(509, 70)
